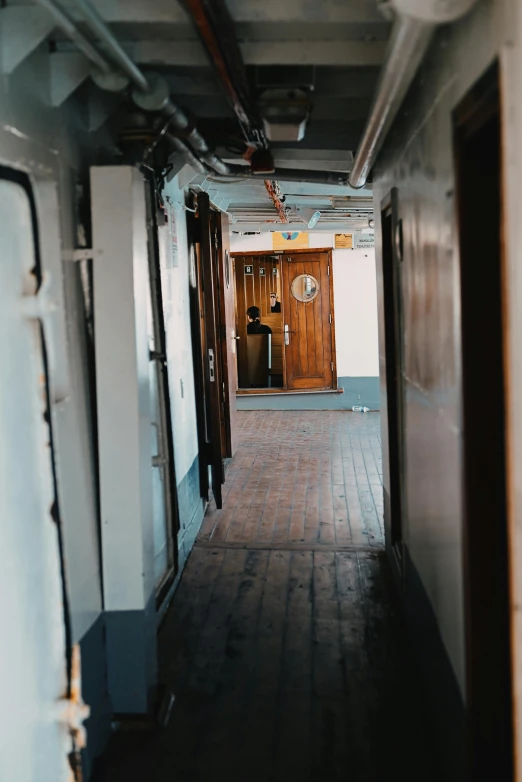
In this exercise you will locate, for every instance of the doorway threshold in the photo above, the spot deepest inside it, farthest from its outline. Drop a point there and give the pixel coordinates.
(287, 391)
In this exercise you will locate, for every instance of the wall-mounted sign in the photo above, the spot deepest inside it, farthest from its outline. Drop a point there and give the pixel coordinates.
(286, 240)
(262, 272)
(343, 242)
(172, 255)
(364, 241)
(249, 269)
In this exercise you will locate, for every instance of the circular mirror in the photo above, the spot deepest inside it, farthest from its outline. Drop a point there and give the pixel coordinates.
(304, 287)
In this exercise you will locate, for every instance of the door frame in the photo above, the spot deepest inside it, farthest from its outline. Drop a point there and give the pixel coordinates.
(213, 403)
(197, 342)
(165, 435)
(486, 560)
(281, 254)
(394, 499)
(227, 323)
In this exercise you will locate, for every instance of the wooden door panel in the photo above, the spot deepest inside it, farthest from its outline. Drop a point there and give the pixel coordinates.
(228, 334)
(254, 290)
(211, 359)
(309, 354)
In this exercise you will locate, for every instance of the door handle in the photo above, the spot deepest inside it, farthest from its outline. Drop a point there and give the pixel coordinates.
(287, 334)
(211, 365)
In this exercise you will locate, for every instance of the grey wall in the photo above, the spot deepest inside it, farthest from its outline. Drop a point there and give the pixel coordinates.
(418, 160)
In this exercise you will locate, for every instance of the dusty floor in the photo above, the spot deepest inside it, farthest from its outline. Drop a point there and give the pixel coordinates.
(287, 658)
(302, 478)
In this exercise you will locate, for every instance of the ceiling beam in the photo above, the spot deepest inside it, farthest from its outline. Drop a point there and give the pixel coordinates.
(331, 53)
(354, 11)
(67, 71)
(22, 30)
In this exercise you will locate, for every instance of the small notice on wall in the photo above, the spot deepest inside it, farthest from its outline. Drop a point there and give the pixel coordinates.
(172, 255)
(289, 240)
(343, 242)
(364, 241)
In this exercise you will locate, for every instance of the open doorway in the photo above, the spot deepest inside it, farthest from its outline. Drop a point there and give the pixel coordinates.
(478, 162)
(285, 321)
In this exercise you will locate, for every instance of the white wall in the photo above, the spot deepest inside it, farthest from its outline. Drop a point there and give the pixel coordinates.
(175, 285)
(355, 301)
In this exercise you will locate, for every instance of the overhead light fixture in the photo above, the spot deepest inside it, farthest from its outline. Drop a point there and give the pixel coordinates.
(308, 216)
(284, 113)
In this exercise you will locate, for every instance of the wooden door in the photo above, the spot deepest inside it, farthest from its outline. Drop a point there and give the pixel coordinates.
(197, 328)
(212, 368)
(257, 276)
(308, 320)
(227, 333)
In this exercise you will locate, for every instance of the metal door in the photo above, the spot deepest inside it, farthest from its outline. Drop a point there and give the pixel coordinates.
(39, 688)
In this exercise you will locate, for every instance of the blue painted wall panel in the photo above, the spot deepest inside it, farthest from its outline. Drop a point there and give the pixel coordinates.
(356, 391)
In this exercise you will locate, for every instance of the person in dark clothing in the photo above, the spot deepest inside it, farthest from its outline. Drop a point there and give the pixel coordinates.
(275, 306)
(254, 322)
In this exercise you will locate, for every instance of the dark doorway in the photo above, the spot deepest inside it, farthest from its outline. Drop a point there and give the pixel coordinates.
(479, 196)
(391, 269)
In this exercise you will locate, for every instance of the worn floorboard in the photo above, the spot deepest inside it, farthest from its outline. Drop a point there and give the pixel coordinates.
(302, 477)
(282, 646)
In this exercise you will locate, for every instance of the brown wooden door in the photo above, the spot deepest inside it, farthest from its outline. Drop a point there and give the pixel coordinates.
(256, 277)
(308, 320)
(212, 349)
(227, 332)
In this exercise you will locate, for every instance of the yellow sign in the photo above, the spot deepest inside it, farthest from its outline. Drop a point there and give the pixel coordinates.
(343, 242)
(289, 240)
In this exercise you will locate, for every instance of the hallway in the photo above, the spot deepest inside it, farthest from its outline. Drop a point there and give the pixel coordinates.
(286, 657)
(303, 479)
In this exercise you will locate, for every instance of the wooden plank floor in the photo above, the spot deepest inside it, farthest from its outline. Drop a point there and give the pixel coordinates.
(288, 663)
(302, 479)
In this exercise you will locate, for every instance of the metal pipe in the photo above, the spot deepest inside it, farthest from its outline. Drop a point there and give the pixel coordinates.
(409, 41)
(292, 175)
(117, 53)
(411, 34)
(189, 156)
(152, 95)
(70, 29)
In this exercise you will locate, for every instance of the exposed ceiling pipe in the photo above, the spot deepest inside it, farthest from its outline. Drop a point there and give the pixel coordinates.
(292, 175)
(216, 30)
(119, 55)
(151, 93)
(411, 35)
(70, 29)
(277, 198)
(189, 156)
